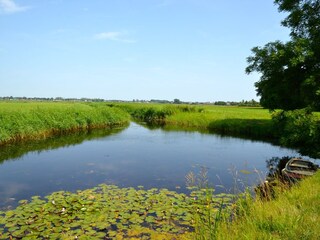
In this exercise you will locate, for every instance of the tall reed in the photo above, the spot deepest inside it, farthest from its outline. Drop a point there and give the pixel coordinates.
(32, 120)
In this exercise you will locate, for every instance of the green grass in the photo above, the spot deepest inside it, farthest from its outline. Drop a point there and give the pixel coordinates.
(38, 120)
(294, 214)
(227, 120)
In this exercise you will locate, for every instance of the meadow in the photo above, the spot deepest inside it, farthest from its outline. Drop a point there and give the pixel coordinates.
(22, 121)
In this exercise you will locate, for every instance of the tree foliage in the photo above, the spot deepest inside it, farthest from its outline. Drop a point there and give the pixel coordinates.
(290, 72)
(299, 129)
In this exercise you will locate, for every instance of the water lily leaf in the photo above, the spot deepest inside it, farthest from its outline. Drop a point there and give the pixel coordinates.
(112, 233)
(150, 219)
(105, 210)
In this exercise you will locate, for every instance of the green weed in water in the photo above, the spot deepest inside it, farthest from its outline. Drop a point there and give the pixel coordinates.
(105, 211)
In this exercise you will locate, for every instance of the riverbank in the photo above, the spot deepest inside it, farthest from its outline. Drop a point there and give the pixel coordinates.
(23, 121)
(293, 214)
(298, 129)
(247, 122)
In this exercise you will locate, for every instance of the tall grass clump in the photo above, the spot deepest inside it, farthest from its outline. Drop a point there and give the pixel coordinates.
(209, 209)
(156, 113)
(293, 214)
(32, 120)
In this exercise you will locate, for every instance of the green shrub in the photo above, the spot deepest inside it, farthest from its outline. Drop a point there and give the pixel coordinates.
(300, 129)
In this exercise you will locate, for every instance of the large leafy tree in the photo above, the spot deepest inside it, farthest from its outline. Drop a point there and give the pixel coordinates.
(290, 72)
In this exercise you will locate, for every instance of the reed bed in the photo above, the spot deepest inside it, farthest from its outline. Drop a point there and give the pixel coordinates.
(21, 121)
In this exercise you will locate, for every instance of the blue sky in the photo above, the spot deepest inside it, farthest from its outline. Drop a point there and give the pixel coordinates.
(193, 50)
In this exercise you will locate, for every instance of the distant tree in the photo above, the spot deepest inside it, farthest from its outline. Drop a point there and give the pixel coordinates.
(221, 103)
(159, 101)
(291, 71)
(176, 101)
(251, 103)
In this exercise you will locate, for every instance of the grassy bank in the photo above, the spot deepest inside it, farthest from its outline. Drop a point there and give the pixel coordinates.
(294, 214)
(38, 120)
(236, 121)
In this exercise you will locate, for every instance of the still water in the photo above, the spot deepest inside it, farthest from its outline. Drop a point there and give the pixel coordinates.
(131, 157)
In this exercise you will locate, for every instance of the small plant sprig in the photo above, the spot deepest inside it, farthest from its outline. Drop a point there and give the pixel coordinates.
(208, 209)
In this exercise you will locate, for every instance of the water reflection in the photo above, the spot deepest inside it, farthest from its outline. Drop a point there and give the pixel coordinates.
(129, 158)
(17, 150)
(275, 165)
(174, 128)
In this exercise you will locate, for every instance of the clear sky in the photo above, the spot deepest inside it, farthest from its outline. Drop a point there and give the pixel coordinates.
(193, 50)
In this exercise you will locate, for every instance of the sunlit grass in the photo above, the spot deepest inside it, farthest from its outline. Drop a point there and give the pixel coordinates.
(294, 214)
(37, 120)
(229, 120)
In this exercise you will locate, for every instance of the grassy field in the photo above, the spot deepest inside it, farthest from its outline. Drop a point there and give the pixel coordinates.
(236, 121)
(38, 120)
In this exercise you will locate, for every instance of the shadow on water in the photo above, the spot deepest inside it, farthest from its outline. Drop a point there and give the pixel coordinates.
(246, 132)
(247, 129)
(17, 150)
(275, 166)
(275, 177)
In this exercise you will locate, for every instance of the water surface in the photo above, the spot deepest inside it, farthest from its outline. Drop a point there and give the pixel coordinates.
(129, 158)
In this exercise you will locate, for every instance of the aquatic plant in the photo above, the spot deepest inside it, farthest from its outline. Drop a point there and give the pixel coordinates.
(106, 211)
(206, 221)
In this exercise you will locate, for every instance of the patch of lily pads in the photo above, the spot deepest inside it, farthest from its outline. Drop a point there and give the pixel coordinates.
(109, 212)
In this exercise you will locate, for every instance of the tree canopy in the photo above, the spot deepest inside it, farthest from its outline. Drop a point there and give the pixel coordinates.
(290, 72)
